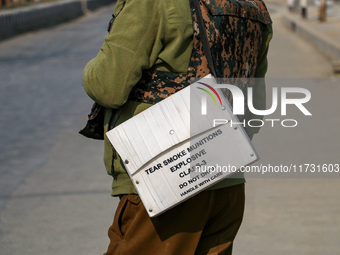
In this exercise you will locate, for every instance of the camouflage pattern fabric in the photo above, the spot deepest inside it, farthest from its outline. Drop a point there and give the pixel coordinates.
(156, 85)
(234, 30)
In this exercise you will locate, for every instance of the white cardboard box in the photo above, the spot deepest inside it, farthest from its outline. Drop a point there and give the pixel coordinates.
(162, 146)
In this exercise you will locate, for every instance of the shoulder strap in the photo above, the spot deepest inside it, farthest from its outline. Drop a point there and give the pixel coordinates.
(205, 42)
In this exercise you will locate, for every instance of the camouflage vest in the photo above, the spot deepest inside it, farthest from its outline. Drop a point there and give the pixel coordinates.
(234, 30)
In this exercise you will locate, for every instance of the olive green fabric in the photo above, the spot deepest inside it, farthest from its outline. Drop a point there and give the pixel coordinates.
(147, 34)
(136, 42)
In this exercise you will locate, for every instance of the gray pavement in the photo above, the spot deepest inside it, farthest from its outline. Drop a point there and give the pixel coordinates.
(55, 194)
(287, 215)
(54, 190)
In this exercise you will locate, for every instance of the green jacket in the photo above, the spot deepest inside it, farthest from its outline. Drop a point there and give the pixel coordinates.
(147, 34)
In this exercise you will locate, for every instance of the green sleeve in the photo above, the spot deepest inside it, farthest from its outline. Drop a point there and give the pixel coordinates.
(263, 63)
(133, 44)
(259, 89)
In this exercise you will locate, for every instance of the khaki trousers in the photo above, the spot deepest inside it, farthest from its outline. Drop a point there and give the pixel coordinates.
(204, 224)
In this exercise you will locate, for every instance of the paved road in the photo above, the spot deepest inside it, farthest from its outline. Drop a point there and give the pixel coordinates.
(54, 192)
(288, 215)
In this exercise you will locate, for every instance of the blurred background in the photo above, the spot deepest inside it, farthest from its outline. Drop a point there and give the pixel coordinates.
(54, 190)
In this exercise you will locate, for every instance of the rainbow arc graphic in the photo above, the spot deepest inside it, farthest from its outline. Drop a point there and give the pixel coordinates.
(204, 106)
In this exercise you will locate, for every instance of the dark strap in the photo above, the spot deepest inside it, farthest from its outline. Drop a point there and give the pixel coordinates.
(204, 37)
(114, 117)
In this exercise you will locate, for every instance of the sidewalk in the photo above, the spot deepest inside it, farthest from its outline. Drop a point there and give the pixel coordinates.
(324, 35)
